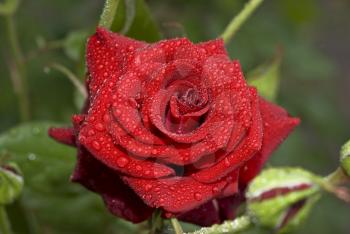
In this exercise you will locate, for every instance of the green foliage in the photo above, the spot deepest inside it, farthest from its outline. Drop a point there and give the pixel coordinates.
(133, 18)
(55, 204)
(271, 211)
(74, 44)
(8, 7)
(345, 157)
(266, 78)
(11, 183)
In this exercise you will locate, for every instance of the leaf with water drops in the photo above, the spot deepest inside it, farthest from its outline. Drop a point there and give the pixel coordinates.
(266, 78)
(134, 19)
(11, 183)
(48, 194)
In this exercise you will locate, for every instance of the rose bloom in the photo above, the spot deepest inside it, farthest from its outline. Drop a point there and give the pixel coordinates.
(171, 125)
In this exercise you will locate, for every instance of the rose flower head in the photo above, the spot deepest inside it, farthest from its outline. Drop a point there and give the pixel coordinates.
(170, 125)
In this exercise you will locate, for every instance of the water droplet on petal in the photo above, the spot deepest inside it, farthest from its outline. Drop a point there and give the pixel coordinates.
(96, 145)
(122, 161)
(227, 162)
(99, 126)
(198, 196)
(148, 187)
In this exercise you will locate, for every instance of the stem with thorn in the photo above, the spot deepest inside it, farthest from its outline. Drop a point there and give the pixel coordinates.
(239, 19)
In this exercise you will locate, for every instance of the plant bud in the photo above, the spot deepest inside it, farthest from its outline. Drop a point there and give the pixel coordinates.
(280, 198)
(11, 183)
(345, 157)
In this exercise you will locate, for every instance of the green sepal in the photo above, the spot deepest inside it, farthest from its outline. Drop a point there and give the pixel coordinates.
(345, 157)
(269, 210)
(11, 183)
(266, 78)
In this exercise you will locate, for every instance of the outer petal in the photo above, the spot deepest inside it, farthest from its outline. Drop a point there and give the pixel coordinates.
(175, 194)
(106, 55)
(118, 197)
(63, 135)
(277, 125)
(244, 151)
(204, 215)
(214, 47)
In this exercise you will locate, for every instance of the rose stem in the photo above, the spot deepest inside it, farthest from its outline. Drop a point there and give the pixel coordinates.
(5, 227)
(17, 69)
(239, 19)
(108, 13)
(176, 225)
(233, 226)
(72, 78)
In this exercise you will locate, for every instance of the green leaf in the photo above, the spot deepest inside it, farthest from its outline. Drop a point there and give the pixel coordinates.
(8, 7)
(266, 78)
(11, 183)
(74, 44)
(133, 18)
(345, 157)
(49, 198)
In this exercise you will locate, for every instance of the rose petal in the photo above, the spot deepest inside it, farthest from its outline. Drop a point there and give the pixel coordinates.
(63, 135)
(277, 125)
(174, 194)
(107, 54)
(246, 149)
(119, 198)
(101, 146)
(214, 47)
(204, 215)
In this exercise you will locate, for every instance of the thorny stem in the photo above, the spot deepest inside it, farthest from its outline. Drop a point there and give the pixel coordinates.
(108, 13)
(332, 183)
(5, 227)
(156, 222)
(72, 77)
(176, 225)
(239, 19)
(232, 226)
(17, 69)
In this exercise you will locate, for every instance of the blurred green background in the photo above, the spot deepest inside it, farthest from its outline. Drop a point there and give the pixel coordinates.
(315, 84)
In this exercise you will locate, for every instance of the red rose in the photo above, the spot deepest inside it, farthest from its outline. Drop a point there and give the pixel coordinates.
(170, 125)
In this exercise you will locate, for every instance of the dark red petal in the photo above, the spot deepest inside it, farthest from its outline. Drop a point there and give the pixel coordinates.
(102, 147)
(119, 198)
(244, 151)
(214, 47)
(277, 125)
(63, 135)
(228, 206)
(204, 215)
(170, 50)
(175, 194)
(107, 54)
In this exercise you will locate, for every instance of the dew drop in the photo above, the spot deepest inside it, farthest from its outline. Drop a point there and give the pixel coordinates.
(198, 196)
(36, 131)
(227, 162)
(148, 187)
(91, 132)
(31, 156)
(96, 145)
(122, 161)
(99, 126)
(215, 189)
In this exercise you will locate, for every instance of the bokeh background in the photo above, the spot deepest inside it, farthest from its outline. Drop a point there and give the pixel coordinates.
(315, 85)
